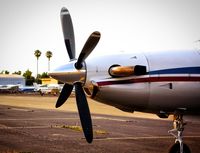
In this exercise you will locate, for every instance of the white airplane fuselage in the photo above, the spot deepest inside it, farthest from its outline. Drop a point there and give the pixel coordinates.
(161, 82)
(172, 81)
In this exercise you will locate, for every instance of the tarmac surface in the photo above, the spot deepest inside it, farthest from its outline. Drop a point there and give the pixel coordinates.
(33, 130)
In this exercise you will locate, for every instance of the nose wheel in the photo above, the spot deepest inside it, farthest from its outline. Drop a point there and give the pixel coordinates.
(177, 132)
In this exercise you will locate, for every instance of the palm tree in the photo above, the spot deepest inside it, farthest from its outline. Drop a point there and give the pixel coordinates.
(49, 55)
(37, 54)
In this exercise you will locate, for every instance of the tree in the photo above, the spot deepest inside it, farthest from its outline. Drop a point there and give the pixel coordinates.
(37, 54)
(29, 78)
(44, 75)
(27, 74)
(17, 72)
(7, 72)
(49, 55)
(2, 72)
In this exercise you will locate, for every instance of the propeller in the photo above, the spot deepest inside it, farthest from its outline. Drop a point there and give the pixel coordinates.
(68, 32)
(65, 93)
(88, 48)
(74, 76)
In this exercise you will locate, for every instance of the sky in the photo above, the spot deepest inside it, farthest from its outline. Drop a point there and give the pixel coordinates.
(125, 26)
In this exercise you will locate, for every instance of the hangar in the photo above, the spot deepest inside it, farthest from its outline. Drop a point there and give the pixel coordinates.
(13, 79)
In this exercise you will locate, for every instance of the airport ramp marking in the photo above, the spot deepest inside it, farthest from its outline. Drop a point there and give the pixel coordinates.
(140, 138)
(63, 118)
(35, 119)
(25, 127)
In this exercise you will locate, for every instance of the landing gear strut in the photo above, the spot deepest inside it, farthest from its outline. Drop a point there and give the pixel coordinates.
(177, 132)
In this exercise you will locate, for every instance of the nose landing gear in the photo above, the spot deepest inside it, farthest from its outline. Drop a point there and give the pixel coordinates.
(177, 132)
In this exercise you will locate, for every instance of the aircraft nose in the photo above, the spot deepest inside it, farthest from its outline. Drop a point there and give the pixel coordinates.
(69, 74)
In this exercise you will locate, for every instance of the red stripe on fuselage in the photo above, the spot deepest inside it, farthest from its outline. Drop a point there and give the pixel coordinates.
(150, 79)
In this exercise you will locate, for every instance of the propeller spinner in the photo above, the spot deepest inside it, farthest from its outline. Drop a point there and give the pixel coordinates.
(73, 74)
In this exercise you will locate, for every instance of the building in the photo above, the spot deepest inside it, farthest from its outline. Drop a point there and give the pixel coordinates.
(13, 79)
(49, 81)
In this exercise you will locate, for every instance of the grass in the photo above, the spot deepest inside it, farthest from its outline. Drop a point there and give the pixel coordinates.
(73, 127)
(100, 132)
(79, 129)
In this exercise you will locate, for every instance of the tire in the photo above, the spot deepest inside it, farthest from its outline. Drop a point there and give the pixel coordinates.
(176, 148)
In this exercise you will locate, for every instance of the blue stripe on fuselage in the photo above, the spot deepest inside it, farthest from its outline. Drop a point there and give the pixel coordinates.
(182, 70)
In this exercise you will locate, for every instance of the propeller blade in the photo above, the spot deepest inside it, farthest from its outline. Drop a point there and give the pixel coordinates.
(84, 112)
(88, 47)
(68, 32)
(65, 93)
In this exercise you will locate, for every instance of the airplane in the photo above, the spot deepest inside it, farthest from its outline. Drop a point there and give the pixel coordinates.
(15, 88)
(9, 88)
(164, 83)
(26, 89)
(47, 88)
